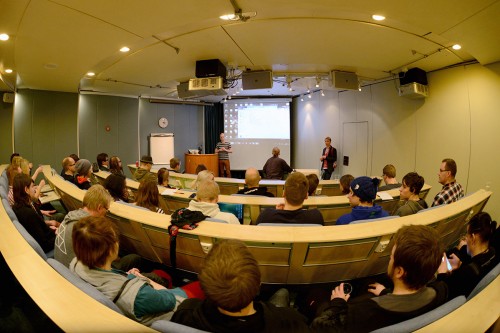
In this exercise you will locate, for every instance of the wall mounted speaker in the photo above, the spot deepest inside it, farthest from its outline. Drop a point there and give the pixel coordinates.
(8, 98)
(345, 80)
(257, 80)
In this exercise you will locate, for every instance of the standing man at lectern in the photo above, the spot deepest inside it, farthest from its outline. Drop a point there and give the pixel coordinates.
(328, 159)
(223, 148)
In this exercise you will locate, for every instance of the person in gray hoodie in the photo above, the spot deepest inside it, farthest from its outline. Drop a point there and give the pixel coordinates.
(95, 203)
(206, 200)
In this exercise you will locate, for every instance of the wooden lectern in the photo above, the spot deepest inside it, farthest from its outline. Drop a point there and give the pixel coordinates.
(211, 161)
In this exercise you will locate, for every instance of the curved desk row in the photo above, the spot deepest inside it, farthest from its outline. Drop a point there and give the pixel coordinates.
(233, 185)
(331, 207)
(288, 255)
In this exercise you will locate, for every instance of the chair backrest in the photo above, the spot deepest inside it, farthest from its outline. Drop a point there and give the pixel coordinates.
(167, 326)
(82, 285)
(375, 220)
(31, 241)
(9, 209)
(485, 281)
(414, 324)
(212, 219)
(289, 225)
(236, 209)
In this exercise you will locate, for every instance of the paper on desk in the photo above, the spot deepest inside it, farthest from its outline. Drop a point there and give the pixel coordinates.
(385, 196)
(169, 191)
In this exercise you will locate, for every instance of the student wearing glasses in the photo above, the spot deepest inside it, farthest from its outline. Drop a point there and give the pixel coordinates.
(451, 191)
(68, 169)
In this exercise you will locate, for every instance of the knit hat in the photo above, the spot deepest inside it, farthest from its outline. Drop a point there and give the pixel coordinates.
(147, 159)
(365, 188)
(82, 167)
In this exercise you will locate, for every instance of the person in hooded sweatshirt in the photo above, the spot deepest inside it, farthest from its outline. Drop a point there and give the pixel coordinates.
(363, 191)
(206, 200)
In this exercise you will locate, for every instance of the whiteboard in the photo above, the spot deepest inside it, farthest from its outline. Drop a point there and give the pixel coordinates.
(161, 147)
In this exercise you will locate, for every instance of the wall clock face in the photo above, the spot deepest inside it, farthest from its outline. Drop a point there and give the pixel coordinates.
(163, 122)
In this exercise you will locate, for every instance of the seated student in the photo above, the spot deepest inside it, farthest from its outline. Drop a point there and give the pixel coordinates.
(12, 171)
(200, 167)
(115, 165)
(466, 274)
(163, 175)
(313, 180)
(345, 183)
(252, 179)
(148, 197)
(144, 170)
(117, 187)
(202, 176)
(415, 257)
(83, 173)
(175, 165)
(29, 215)
(206, 200)
(363, 191)
(409, 195)
(68, 169)
(276, 167)
(96, 245)
(230, 279)
(294, 194)
(389, 177)
(103, 162)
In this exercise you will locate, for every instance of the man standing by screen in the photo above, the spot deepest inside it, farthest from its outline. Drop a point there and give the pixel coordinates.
(223, 148)
(328, 159)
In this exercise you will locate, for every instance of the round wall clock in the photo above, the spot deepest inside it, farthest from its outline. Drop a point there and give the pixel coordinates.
(163, 122)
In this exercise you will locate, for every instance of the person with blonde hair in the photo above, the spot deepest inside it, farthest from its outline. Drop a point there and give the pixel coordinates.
(68, 169)
(203, 175)
(252, 179)
(95, 203)
(206, 200)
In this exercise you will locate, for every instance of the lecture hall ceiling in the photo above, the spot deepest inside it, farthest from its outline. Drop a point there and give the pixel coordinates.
(54, 43)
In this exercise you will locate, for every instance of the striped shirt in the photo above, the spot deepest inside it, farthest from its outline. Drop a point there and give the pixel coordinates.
(223, 155)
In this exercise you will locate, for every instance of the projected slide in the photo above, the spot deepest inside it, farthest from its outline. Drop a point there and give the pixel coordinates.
(254, 127)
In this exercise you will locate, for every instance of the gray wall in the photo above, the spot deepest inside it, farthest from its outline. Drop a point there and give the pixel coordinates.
(45, 126)
(108, 124)
(185, 121)
(5, 131)
(458, 120)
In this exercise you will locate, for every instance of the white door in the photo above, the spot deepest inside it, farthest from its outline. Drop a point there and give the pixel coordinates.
(354, 149)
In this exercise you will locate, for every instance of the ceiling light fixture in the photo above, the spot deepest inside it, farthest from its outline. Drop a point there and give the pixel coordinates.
(301, 98)
(238, 15)
(377, 17)
(289, 82)
(90, 74)
(8, 70)
(309, 96)
(456, 47)
(124, 49)
(4, 37)
(318, 81)
(322, 93)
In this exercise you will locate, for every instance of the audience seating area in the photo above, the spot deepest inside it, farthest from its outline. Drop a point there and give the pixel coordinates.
(331, 207)
(287, 255)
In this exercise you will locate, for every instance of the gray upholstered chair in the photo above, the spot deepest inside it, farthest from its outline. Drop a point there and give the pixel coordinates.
(485, 281)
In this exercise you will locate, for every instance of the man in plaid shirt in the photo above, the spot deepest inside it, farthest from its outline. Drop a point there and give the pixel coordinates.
(451, 191)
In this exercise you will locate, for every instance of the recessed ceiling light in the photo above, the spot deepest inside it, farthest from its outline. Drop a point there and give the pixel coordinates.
(456, 47)
(8, 70)
(378, 17)
(90, 74)
(124, 49)
(4, 37)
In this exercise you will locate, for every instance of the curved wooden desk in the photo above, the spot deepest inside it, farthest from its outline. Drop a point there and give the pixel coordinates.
(290, 255)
